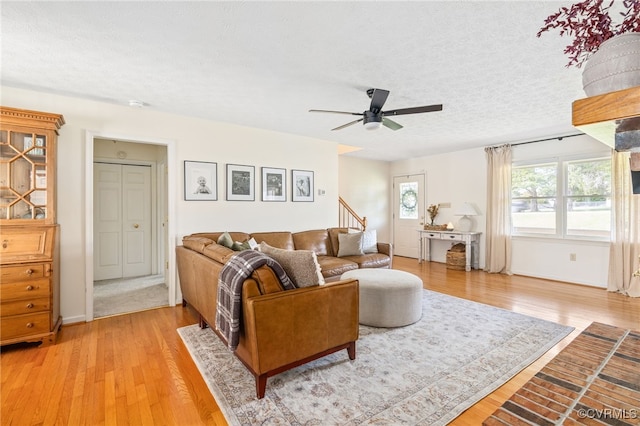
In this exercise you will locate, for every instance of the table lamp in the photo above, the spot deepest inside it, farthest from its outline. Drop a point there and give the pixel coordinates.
(465, 223)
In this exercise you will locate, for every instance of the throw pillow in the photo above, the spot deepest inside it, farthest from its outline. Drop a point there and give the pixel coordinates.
(370, 241)
(238, 246)
(225, 240)
(253, 244)
(300, 265)
(350, 244)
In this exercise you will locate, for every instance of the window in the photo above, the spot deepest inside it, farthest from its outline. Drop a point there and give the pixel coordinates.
(409, 200)
(563, 198)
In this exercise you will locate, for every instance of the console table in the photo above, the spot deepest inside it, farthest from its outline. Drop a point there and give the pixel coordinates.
(471, 241)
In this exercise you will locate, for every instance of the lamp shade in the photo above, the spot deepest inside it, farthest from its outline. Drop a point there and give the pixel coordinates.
(466, 210)
(465, 223)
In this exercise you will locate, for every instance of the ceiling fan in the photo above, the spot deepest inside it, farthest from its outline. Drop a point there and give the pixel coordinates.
(374, 116)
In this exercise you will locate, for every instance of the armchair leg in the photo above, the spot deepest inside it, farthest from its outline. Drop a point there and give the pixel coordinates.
(261, 385)
(351, 349)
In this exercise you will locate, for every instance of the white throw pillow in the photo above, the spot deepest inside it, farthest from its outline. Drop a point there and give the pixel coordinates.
(301, 266)
(350, 244)
(370, 241)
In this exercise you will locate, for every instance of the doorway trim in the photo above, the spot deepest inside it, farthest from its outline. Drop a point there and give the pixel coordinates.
(169, 190)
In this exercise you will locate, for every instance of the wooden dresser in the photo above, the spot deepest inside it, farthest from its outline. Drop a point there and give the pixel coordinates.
(29, 234)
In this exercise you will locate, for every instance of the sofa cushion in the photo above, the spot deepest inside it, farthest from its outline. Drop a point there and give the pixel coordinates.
(335, 266)
(315, 240)
(370, 260)
(196, 243)
(218, 253)
(281, 240)
(350, 244)
(300, 265)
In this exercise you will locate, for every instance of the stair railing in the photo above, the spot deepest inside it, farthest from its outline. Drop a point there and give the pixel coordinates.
(348, 218)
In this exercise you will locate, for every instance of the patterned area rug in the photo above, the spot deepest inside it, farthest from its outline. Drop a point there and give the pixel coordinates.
(595, 380)
(426, 373)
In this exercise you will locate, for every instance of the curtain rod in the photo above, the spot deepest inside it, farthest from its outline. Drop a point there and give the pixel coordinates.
(547, 139)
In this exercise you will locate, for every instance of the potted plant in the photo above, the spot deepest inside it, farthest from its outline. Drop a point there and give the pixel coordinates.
(610, 45)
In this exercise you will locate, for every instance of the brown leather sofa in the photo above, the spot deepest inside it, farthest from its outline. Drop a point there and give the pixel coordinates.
(280, 329)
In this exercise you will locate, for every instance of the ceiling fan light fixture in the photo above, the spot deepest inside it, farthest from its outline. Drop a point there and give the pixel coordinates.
(372, 125)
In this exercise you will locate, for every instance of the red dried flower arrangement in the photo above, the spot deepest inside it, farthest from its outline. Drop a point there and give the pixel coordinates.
(590, 25)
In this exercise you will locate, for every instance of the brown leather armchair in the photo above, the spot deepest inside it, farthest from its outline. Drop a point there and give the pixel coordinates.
(284, 329)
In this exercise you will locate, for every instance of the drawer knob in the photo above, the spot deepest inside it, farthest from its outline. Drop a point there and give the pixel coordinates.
(30, 271)
(5, 243)
(29, 325)
(29, 287)
(30, 305)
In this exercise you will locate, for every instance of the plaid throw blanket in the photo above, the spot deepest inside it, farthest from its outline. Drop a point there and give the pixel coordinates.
(233, 274)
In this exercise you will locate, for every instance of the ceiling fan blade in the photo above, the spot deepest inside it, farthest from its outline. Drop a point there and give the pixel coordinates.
(348, 124)
(414, 110)
(335, 112)
(378, 98)
(391, 124)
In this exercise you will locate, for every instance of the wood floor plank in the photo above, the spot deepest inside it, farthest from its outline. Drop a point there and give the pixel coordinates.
(134, 369)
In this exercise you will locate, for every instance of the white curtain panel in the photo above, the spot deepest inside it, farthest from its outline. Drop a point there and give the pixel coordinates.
(625, 235)
(498, 232)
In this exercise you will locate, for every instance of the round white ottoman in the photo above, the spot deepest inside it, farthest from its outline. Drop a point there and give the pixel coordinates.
(388, 298)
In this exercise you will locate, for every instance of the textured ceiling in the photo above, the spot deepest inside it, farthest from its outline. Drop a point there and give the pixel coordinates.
(265, 64)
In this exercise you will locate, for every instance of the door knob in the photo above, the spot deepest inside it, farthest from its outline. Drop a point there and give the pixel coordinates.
(136, 226)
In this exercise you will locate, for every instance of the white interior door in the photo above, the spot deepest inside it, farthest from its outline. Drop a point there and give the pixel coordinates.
(408, 213)
(122, 221)
(136, 226)
(107, 224)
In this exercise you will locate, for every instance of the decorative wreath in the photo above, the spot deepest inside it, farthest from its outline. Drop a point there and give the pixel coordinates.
(409, 199)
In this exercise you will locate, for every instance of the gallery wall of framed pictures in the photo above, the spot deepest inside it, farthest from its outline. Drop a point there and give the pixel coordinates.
(201, 183)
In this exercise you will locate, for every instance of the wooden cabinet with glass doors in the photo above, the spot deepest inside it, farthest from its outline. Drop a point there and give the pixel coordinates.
(29, 234)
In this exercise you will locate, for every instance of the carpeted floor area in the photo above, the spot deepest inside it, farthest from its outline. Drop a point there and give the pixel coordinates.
(595, 380)
(426, 373)
(118, 296)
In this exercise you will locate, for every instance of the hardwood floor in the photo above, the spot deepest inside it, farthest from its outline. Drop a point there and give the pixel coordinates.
(134, 369)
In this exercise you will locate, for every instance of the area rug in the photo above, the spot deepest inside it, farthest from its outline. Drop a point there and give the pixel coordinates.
(594, 380)
(426, 373)
(117, 296)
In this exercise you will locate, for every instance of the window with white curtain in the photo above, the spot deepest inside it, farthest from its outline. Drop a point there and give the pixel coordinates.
(562, 198)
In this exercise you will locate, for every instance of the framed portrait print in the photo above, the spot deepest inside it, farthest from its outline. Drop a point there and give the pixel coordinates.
(274, 184)
(200, 181)
(302, 185)
(240, 183)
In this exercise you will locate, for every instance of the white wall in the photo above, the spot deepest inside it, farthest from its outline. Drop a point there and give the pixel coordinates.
(460, 176)
(365, 185)
(194, 139)
(454, 178)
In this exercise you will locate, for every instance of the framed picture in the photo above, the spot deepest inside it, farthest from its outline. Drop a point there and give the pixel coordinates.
(240, 183)
(274, 184)
(302, 185)
(200, 181)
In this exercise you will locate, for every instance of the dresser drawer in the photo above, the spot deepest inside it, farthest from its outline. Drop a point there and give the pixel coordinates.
(25, 306)
(451, 237)
(24, 325)
(435, 235)
(24, 289)
(23, 272)
(24, 244)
